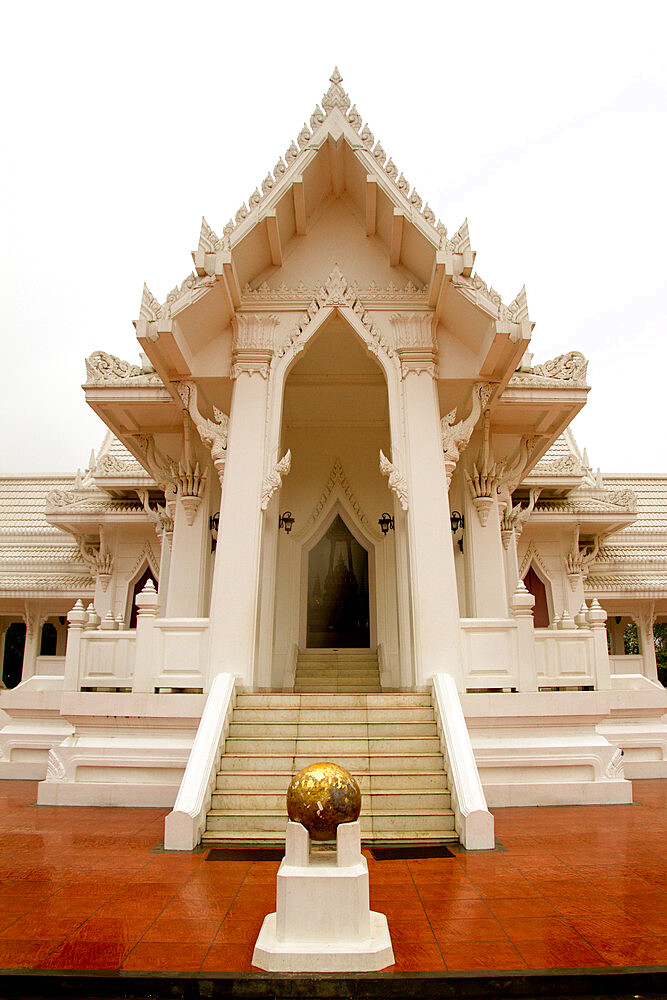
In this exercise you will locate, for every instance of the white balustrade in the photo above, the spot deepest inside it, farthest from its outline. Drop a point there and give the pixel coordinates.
(184, 825)
(472, 819)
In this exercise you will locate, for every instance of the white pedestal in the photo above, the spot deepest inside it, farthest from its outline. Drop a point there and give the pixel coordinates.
(323, 921)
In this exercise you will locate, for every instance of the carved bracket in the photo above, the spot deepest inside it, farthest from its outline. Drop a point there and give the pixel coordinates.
(397, 483)
(274, 480)
(455, 436)
(214, 433)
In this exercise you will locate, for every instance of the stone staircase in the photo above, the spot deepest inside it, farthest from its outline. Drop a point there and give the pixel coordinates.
(387, 741)
(336, 672)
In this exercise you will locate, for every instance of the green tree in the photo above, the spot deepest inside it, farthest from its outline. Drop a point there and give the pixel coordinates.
(660, 639)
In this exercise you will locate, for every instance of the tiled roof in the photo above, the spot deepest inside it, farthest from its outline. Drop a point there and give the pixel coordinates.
(115, 460)
(22, 502)
(630, 582)
(651, 493)
(52, 583)
(24, 551)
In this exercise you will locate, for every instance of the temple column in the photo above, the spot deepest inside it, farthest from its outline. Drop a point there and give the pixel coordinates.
(436, 628)
(33, 628)
(235, 590)
(645, 622)
(166, 536)
(189, 545)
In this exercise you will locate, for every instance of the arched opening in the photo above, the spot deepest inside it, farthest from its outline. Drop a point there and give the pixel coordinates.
(338, 614)
(12, 661)
(138, 587)
(335, 572)
(535, 586)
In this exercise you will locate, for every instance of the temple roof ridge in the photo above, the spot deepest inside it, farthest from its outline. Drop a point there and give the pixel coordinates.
(333, 118)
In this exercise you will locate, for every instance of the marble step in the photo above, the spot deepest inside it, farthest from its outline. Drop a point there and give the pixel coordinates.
(211, 838)
(371, 782)
(274, 820)
(355, 765)
(337, 688)
(368, 730)
(392, 700)
(330, 746)
(372, 803)
(339, 716)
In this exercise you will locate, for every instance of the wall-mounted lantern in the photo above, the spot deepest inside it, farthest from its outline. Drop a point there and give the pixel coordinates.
(457, 521)
(286, 521)
(386, 522)
(213, 525)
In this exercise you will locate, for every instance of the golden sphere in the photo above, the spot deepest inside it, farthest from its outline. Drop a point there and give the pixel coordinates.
(321, 797)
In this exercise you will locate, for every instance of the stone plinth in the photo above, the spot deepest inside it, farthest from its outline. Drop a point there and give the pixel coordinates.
(323, 921)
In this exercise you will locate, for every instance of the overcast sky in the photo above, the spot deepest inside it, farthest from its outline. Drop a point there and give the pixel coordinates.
(122, 124)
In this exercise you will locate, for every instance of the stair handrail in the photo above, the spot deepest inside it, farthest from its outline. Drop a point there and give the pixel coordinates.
(184, 825)
(472, 819)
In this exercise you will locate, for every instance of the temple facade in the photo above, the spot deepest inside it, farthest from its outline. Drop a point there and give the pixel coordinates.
(334, 468)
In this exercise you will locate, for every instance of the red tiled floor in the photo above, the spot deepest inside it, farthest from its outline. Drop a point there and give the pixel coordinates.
(574, 887)
(228, 958)
(559, 955)
(161, 957)
(85, 955)
(484, 955)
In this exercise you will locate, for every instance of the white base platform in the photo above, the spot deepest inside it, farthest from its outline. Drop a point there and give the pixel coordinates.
(323, 922)
(369, 955)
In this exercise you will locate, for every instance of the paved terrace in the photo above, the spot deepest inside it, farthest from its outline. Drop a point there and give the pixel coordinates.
(572, 887)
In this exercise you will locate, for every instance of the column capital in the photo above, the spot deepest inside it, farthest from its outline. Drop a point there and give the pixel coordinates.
(252, 343)
(416, 345)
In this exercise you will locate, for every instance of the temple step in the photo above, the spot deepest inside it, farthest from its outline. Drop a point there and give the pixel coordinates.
(388, 741)
(337, 672)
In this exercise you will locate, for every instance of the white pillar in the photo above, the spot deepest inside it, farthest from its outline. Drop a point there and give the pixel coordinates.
(33, 633)
(521, 606)
(597, 620)
(485, 563)
(645, 621)
(77, 621)
(235, 591)
(188, 558)
(166, 541)
(434, 597)
(511, 562)
(145, 668)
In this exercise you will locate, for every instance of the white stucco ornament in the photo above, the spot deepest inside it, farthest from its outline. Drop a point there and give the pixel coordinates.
(274, 480)
(397, 483)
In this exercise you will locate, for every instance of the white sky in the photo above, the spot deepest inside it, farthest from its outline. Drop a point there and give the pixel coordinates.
(122, 124)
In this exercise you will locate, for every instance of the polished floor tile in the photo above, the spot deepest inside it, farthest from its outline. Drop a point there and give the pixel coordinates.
(573, 887)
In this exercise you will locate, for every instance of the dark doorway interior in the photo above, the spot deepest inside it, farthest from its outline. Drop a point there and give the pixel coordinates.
(12, 661)
(539, 592)
(49, 641)
(138, 587)
(338, 608)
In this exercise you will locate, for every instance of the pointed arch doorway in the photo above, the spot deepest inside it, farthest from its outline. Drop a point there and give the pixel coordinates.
(338, 606)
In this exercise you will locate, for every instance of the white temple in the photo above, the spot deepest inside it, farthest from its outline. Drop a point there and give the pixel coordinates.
(338, 513)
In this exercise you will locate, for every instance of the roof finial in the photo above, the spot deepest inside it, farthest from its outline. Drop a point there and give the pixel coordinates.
(335, 96)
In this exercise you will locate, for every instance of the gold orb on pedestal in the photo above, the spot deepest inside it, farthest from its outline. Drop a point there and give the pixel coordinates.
(321, 797)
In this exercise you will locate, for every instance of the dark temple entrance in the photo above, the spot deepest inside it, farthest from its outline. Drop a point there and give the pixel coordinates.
(338, 615)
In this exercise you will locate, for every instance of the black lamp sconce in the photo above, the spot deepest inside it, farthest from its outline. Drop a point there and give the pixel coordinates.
(213, 525)
(286, 521)
(457, 521)
(386, 522)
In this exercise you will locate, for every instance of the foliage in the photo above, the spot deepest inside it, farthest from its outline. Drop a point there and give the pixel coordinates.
(660, 639)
